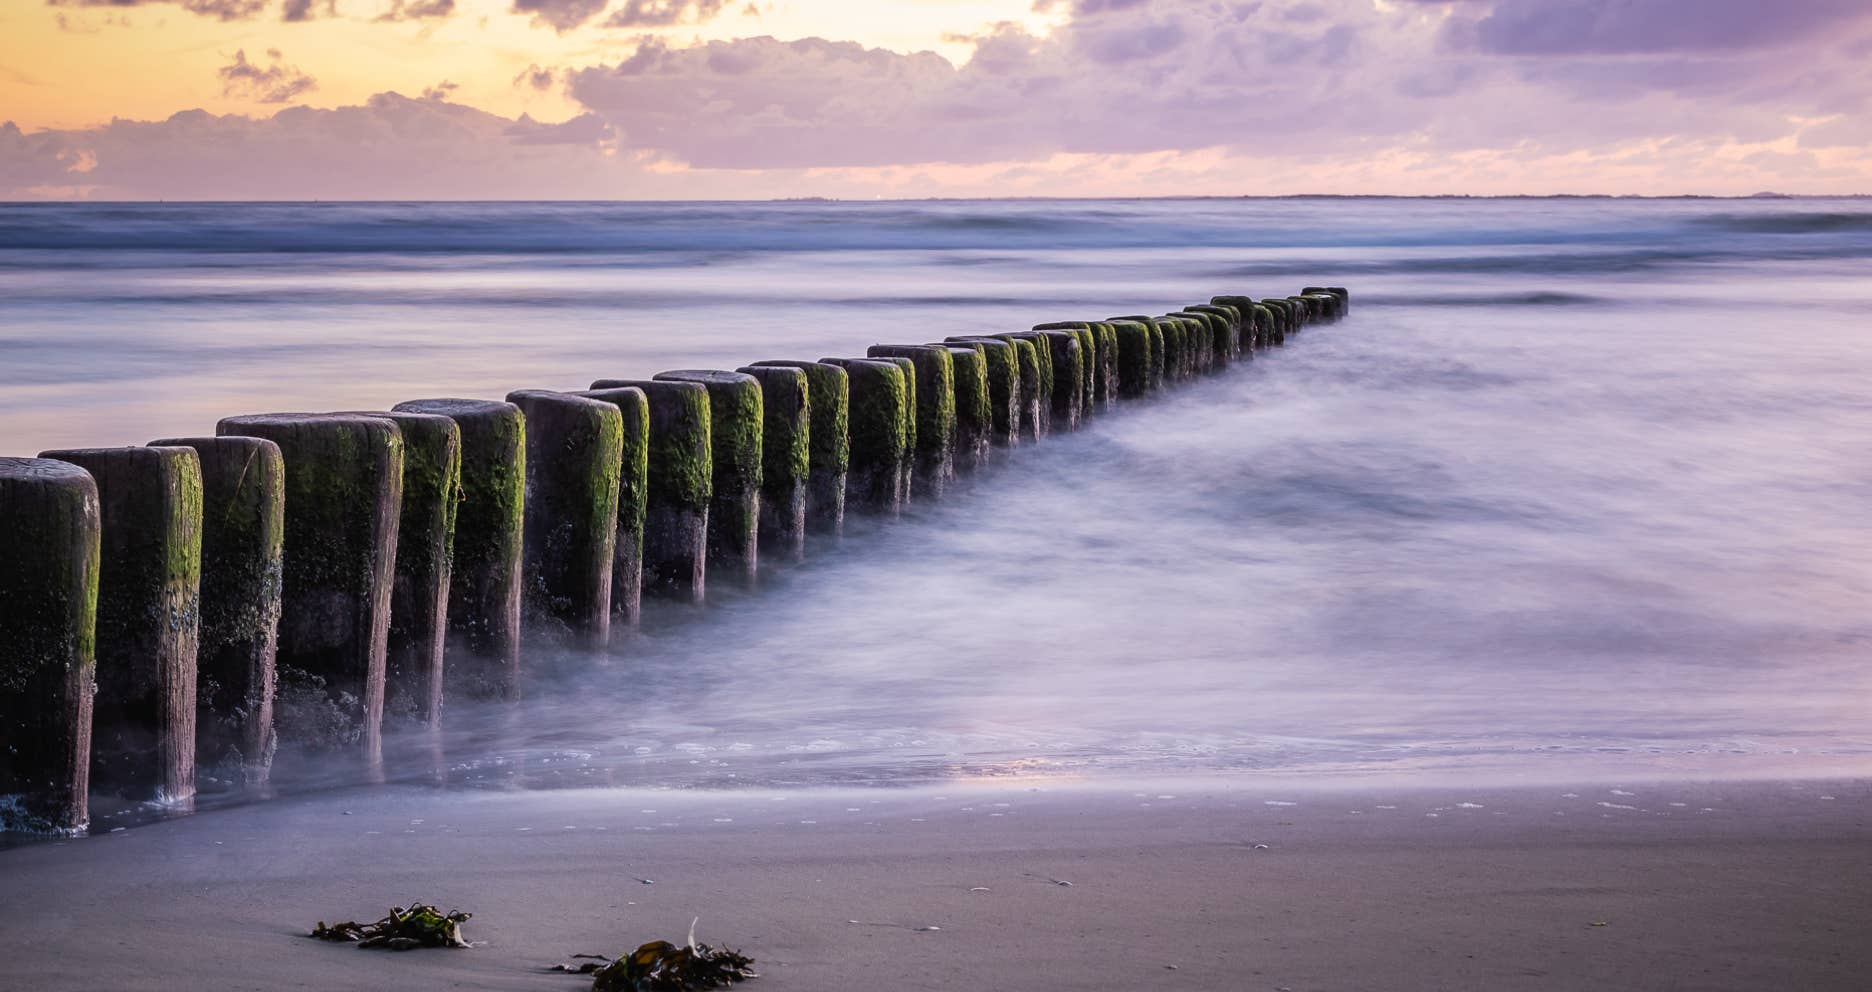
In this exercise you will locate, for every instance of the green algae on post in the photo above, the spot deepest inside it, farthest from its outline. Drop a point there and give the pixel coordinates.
(880, 410)
(1225, 328)
(344, 492)
(483, 650)
(413, 657)
(974, 406)
(50, 524)
(786, 458)
(575, 447)
(1133, 364)
(736, 416)
(906, 482)
(1004, 385)
(680, 486)
(148, 619)
(1036, 381)
(936, 410)
(1066, 359)
(1098, 348)
(242, 543)
(828, 389)
(633, 502)
(1163, 350)
(1253, 318)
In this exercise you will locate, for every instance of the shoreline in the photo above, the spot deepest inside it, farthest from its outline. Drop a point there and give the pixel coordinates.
(1699, 885)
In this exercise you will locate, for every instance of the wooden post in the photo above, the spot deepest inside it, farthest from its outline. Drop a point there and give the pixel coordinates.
(575, 446)
(344, 492)
(242, 544)
(50, 526)
(148, 621)
(483, 649)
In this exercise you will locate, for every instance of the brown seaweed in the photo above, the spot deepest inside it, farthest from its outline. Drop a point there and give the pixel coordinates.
(403, 930)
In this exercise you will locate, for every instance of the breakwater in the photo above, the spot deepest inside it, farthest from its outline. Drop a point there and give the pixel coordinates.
(159, 602)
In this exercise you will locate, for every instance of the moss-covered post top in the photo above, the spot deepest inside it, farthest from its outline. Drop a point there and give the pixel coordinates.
(734, 400)
(620, 396)
(380, 431)
(786, 395)
(456, 408)
(828, 388)
(935, 422)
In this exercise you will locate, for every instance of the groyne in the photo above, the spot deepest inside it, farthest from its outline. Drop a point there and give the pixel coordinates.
(171, 614)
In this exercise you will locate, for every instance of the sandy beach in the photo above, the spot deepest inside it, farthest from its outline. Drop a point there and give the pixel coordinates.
(1670, 886)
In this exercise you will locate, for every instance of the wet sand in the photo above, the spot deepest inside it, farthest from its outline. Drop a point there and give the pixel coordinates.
(1727, 886)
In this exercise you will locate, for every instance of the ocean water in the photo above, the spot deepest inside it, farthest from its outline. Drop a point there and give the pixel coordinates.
(1579, 490)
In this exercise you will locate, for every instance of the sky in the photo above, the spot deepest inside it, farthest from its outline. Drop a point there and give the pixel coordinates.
(681, 99)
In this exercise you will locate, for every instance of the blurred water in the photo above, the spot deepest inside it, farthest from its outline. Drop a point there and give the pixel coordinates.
(1578, 489)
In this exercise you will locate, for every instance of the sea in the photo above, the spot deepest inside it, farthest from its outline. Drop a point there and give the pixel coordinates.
(1580, 489)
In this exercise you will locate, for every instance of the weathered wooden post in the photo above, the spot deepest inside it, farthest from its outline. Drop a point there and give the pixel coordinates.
(828, 387)
(344, 492)
(1036, 360)
(1166, 347)
(1178, 362)
(1134, 358)
(736, 416)
(936, 410)
(1253, 326)
(786, 458)
(242, 543)
(575, 447)
(627, 561)
(1004, 385)
(1285, 324)
(1345, 299)
(680, 487)
(1065, 358)
(907, 469)
(483, 649)
(1225, 328)
(50, 527)
(1302, 310)
(419, 593)
(1089, 372)
(148, 619)
(1198, 340)
(974, 406)
(880, 415)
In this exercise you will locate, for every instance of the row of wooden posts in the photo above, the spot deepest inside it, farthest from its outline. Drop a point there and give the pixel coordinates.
(153, 599)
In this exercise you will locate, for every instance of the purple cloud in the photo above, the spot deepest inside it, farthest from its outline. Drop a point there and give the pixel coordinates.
(223, 10)
(276, 83)
(585, 130)
(560, 15)
(1601, 27)
(302, 10)
(663, 13)
(390, 147)
(536, 77)
(417, 10)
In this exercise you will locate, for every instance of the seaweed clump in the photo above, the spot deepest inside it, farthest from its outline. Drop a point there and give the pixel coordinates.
(402, 930)
(661, 966)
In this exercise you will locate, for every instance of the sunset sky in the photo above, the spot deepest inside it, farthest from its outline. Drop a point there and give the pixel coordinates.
(299, 99)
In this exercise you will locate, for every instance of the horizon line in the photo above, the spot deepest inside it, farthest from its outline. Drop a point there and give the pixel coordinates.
(1765, 195)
